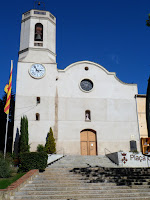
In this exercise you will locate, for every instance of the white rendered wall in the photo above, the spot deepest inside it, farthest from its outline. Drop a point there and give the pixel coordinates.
(111, 102)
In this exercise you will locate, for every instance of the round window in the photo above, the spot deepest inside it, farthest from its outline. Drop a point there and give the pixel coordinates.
(86, 85)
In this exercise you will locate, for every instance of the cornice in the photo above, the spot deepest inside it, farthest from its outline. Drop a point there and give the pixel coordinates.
(37, 17)
(36, 49)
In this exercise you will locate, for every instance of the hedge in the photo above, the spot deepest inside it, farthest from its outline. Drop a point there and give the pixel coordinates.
(33, 160)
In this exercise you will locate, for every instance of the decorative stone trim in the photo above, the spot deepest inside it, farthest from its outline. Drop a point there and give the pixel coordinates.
(5, 194)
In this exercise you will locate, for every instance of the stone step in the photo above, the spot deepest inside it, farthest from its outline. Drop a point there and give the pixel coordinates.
(97, 180)
(123, 198)
(88, 186)
(119, 175)
(60, 175)
(120, 198)
(58, 178)
(82, 163)
(67, 169)
(86, 196)
(46, 190)
(114, 179)
(109, 177)
(49, 183)
(83, 180)
(85, 192)
(59, 181)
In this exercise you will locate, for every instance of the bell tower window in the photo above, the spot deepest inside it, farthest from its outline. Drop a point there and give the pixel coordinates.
(38, 36)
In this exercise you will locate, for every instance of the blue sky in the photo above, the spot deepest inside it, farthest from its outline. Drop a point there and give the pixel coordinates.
(112, 33)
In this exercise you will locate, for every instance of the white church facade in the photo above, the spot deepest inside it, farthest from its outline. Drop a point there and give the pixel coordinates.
(88, 108)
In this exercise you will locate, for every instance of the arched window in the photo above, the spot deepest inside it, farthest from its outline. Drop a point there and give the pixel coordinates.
(38, 36)
(37, 116)
(87, 115)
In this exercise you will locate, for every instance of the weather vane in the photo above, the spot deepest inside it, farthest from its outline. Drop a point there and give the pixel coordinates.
(39, 5)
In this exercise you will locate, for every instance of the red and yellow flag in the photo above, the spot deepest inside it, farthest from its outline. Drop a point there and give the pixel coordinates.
(7, 89)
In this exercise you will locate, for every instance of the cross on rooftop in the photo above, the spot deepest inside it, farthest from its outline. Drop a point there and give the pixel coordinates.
(39, 5)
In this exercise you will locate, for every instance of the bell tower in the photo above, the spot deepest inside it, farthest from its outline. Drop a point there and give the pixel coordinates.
(38, 37)
(36, 75)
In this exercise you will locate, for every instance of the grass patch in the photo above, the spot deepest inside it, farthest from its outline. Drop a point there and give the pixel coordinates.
(5, 182)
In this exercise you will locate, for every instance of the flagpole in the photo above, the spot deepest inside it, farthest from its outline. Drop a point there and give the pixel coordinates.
(7, 106)
(6, 135)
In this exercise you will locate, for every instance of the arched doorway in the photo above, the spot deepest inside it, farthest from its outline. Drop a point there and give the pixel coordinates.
(88, 142)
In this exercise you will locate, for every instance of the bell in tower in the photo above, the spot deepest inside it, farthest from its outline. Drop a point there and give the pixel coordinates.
(38, 32)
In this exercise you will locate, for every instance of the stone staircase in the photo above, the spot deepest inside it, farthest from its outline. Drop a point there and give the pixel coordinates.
(87, 177)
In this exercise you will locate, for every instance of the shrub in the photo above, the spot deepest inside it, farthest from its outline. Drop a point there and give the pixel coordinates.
(40, 148)
(33, 160)
(5, 168)
(50, 146)
(24, 138)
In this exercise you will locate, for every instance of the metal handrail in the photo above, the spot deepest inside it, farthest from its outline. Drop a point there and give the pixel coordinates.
(107, 150)
(60, 150)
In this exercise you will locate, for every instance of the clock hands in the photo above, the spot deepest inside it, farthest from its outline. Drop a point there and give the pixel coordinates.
(37, 70)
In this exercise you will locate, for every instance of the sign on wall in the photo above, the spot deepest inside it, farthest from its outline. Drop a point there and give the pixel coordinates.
(129, 159)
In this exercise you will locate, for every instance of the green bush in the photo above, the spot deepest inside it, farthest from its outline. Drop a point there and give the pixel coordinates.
(50, 146)
(24, 136)
(33, 160)
(40, 148)
(5, 168)
(6, 165)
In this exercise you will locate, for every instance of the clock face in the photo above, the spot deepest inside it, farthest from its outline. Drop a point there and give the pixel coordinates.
(86, 85)
(37, 71)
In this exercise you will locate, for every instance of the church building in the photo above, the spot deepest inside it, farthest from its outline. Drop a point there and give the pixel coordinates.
(89, 109)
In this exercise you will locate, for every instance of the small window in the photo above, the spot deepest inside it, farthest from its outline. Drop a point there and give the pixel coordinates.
(38, 100)
(38, 32)
(87, 115)
(37, 116)
(86, 68)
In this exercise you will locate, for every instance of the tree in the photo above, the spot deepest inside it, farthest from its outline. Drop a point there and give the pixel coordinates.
(148, 21)
(148, 107)
(3, 119)
(50, 146)
(40, 148)
(24, 136)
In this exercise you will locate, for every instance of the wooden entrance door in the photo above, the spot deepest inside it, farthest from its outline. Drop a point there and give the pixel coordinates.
(88, 143)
